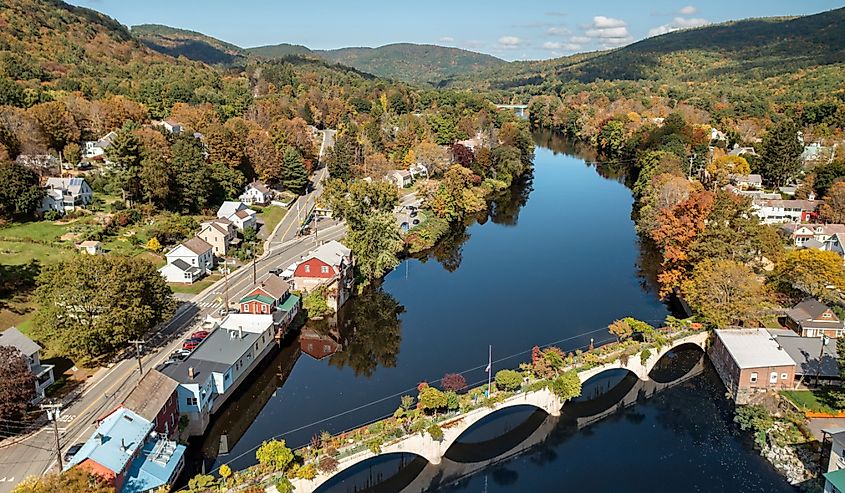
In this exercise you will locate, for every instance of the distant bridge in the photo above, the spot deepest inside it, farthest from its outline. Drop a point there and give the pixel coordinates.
(519, 109)
(433, 451)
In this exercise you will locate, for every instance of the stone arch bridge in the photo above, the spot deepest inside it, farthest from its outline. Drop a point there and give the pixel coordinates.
(434, 451)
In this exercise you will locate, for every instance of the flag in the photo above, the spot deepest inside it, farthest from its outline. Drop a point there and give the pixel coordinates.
(487, 370)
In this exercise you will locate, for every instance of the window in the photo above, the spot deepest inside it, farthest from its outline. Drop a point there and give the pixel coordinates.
(784, 376)
(192, 401)
(753, 377)
(773, 377)
(245, 308)
(308, 268)
(324, 269)
(826, 315)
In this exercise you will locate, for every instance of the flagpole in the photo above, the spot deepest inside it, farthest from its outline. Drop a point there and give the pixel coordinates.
(489, 368)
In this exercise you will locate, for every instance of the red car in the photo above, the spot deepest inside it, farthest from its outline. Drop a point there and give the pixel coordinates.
(200, 334)
(191, 344)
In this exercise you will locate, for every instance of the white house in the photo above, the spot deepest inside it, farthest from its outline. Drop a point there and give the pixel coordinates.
(96, 148)
(747, 182)
(188, 261)
(66, 194)
(171, 126)
(401, 177)
(742, 151)
(237, 212)
(32, 352)
(256, 193)
(785, 211)
(91, 247)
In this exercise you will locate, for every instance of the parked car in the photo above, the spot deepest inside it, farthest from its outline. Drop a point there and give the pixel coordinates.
(413, 213)
(180, 354)
(200, 334)
(71, 451)
(415, 222)
(276, 271)
(191, 344)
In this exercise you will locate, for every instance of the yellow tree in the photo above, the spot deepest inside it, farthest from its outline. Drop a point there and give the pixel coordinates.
(833, 209)
(621, 329)
(725, 292)
(154, 245)
(815, 272)
(410, 158)
(723, 166)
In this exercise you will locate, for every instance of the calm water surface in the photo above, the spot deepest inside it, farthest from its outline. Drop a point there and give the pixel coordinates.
(554, 261)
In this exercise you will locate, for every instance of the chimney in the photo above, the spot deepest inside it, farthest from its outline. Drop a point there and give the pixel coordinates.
(240, 332)
(811, 196)
(100, 438)
(191, 373)
(122, 445)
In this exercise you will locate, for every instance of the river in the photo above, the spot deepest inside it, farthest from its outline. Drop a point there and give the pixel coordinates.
(552, 262)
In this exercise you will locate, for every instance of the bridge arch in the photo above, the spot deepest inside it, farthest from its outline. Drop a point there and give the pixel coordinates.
(407, 467)
(529, 419)
(676, 363)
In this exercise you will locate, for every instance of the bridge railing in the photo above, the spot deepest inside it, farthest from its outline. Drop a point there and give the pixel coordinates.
(392, 429)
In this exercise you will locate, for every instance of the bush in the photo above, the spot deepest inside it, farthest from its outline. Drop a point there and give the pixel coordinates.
(315, 304)
(274, 455)
(454, 382)
(645, 355)
(566, 386)
(284, 486)
(308, 471)
(431, 399)
(327, 464)
(508, 380)
(452, 401)
(435, 432)
(52, 215)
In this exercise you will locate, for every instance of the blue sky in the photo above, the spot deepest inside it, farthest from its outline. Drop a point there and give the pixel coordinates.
(514, 29)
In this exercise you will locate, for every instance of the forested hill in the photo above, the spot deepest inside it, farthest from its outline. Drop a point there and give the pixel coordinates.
(190, 44)
(739, 51)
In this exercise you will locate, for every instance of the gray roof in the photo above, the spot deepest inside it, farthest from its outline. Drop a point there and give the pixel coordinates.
(72, 185)
(805, 351)
(813, 243)
(15, 338)
(217, 353)
(202, 369)
(809, 313)
(753, 348)
(151, 394)
(184, 266)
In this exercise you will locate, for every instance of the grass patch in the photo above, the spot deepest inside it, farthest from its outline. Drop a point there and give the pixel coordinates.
(197, 287)
(271, 216)
(816, 400)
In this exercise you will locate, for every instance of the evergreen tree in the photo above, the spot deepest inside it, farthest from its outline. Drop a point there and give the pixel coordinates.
(294, 174)
(125, 154)
(781, 153)
(20, 193)
(340, 158)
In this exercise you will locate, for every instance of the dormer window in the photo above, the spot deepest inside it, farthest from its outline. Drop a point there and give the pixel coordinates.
(826, 315)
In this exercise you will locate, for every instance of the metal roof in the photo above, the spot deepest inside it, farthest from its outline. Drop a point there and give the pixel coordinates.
(115, 441)
(15, 338)
(151, 394)
(753, 348)
(805, 351)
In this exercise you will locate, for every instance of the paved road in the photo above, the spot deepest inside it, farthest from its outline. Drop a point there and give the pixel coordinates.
(108, 388)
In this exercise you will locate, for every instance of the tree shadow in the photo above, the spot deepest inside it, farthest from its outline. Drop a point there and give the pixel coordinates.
(17, 283)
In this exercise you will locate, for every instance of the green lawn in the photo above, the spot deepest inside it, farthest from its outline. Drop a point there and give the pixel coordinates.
(196, 287)
(816, 400)
(271, 215)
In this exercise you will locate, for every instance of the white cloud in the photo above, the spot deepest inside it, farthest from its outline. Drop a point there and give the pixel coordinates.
(510, 42)
(608, 33)
(678, 23)
(557, 46)
(559, 31)
(602, 22)
(580, 39)
(688, 10)
(447, 39)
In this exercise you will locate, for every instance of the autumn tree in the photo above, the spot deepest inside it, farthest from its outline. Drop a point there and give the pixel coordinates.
(90, 306)
(74, 480)
(462, 155)
(720, 169)
(621, 329)
(17, 383)
(57, 123)
(21, 193)
(353, 202)
(612, 138)
(434, 157)
(454, 382)
(454, 197)
(780, 153)
(431, 399)
(274, 455)
(725, 292)
(817, 273)
(833, 209)
(72, 153)
(676, 230)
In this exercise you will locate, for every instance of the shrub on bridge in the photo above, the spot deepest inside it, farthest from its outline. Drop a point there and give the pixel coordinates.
(566, 386)
(274, 455)
(307, 472)
(453, 402)
(283, 485)
(508, 380)
(454, 382)
(548, 362)
(645, 355)
(327, 464)
(435, 432)
(431, 399)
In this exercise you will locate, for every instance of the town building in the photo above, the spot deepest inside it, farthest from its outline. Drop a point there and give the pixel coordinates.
(256, 193)
(829, 237)
(90, 247)
(812, 318)
(66, 194)
(43, 164)
(747, 182)
(272, 296)
(815, 357)
(329, 266)
(239, 213)
(777, 211)
(93, 149)
(402, 178)
(834, 481)
(12, 337)
(749, 361)
(220, 234)
(128, 454)
(172, 126)
(218, 366)
(188, 261)
(742, 151)
(155, 399)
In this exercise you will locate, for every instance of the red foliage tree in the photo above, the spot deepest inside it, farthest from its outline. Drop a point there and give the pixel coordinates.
(17, 383)
(462, 155)
(454, 382)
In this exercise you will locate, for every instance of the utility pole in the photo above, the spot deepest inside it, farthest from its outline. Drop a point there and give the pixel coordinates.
(53, 413)
(137, 344)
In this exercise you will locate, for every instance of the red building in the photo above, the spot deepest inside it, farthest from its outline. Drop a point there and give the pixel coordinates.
(266, 297)
(155, 399)
(318, 345)
(329, 266)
